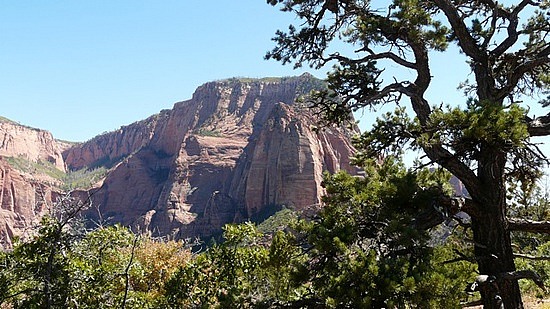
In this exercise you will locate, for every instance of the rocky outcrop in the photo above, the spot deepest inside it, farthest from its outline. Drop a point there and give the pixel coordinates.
(27, 190)
(285, 163)
(234, 151)
(30, 143)
(24, 199)
(237, 150)
(108, 149)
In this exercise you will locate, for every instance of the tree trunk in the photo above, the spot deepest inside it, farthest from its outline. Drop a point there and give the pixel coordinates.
(494, 255)
(492, 242)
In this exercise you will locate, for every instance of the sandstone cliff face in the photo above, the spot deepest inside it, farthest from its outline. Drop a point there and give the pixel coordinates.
(236, 150)
(107, 149)
(24, 199)
(230, 153)
(33, 144)
(26, 194)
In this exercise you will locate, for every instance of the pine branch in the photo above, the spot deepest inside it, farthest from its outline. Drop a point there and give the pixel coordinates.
(461, 257)
(472, 304)
(444, 207)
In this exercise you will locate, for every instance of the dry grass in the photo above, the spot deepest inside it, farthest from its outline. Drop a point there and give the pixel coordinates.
(534, 303)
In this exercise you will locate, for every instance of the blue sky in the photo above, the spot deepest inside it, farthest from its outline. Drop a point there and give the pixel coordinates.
(80, 68)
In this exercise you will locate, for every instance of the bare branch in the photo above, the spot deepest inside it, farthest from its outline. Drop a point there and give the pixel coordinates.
(523, 274)
(539, 126)
(438, 154)
(127, 272)
(485, 282)
(373, 56)
(461, 257)
(465, 40)
(491, 31)
(521, 70)
(524, 225)
(513, 34)
(531, 257)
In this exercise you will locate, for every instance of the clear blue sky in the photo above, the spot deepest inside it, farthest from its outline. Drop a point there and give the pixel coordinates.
(80, 68)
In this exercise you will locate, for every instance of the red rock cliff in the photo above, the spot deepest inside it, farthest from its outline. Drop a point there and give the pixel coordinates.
(33, 144)
(24, 200)
(235, 149)
(27, 192)
(107, 149)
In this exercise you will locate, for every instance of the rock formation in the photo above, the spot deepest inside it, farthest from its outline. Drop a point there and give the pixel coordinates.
(238, 149)
(24, 201)
(26, 192)
(32, 144)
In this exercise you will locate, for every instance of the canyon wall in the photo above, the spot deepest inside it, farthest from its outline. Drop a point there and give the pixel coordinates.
(26, 191)
(32, 144)
(238, 149)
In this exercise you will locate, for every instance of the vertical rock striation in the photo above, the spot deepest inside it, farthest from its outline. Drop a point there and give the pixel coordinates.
(235, 150)
(26, 193)
(30, 143)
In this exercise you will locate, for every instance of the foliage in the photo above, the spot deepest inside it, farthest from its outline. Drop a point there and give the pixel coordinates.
(207, 132)
(362, 250)
(16, 123)
(98, 262)
(36, 272)
(240, 273)
(365, 251)
(485, 143)
(278, 221)
(106, 162)
(38, 277)
(106, 256)
(156, 262)
(39, 167)
(532, 203)
(236, 80)
(448, 277)
(305, 82)
(541, 267)
(4, 119)
(109, 267)
(83, 178)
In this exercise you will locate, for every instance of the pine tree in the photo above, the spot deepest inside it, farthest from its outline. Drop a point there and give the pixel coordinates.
(485, 143)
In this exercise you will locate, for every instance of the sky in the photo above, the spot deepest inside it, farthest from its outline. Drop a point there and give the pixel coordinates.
(81, 68)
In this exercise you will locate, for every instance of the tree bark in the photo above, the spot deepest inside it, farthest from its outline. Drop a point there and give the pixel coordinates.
(492, 242)
(494, 254)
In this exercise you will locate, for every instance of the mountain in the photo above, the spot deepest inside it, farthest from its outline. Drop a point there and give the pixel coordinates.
(31, 168)
(239, 149)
